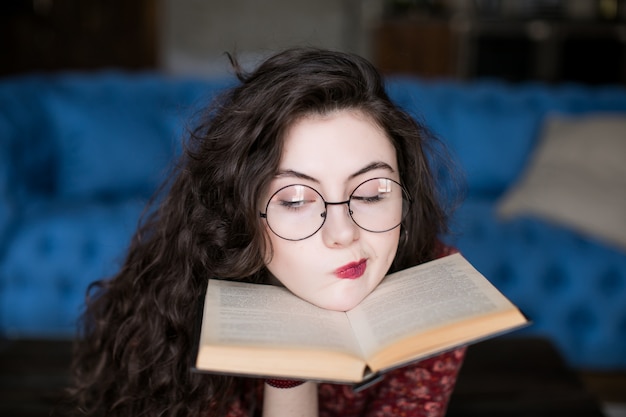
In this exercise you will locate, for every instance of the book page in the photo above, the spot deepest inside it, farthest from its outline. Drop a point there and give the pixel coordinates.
(422, 298)
(268, 316)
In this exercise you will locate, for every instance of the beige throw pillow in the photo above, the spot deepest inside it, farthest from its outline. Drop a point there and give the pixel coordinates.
(576, 177)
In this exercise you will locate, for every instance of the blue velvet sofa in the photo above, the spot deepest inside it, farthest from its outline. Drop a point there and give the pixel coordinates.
(80, 154)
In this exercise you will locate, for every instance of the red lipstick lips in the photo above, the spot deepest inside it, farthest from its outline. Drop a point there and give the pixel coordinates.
(352, 270)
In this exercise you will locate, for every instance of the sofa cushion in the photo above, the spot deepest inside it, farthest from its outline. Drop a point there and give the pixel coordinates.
(492, 131)
(572, 288)
(26, 156)
(57, 251)
(7, 208)
(491, 127)
(113, 136)
(577, 177)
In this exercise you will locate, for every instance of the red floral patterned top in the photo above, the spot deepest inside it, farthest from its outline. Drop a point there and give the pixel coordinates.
(419, 390)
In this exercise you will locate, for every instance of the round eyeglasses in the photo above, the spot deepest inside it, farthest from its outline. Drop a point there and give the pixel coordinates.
(297, 211)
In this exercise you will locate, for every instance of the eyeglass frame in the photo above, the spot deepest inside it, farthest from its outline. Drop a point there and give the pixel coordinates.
(324, 214)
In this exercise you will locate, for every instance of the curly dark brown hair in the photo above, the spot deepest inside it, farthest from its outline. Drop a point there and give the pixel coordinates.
(135, 349)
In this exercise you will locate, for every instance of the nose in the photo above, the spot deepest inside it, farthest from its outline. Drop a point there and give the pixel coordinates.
(339, 229)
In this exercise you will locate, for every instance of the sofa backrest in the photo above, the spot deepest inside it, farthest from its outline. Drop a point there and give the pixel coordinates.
(82, 136)
(491, 127)
(80, 154)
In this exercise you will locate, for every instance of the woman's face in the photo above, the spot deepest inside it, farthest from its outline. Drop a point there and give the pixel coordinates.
(339, 265)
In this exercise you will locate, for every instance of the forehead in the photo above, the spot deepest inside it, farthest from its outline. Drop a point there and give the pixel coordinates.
(340, 143)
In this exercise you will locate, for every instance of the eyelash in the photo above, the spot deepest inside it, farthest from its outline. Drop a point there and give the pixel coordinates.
(367, 199)
(293, 205)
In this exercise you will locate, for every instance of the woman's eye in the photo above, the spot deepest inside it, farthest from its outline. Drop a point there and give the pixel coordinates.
(368, 199)
(295, 197)
(293, 204)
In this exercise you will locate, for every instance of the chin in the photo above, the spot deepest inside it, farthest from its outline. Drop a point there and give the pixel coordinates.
(340, 308)
(347, 297)
(340, 304)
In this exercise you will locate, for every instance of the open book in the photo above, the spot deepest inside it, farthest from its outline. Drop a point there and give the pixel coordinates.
(263, 330)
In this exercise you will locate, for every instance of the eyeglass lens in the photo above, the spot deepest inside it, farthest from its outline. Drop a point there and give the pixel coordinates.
(298, 211)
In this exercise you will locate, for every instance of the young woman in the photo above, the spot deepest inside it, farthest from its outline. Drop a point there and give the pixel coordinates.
(304, 175)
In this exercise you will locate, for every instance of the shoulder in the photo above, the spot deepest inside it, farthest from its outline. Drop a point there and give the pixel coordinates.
(431, 370)
(421, 389)
(442, 249)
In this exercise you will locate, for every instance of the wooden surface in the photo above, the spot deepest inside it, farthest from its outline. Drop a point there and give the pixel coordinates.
(501, 377)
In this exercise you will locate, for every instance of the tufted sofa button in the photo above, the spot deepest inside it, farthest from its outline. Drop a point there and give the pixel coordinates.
(504, 276)
(64, 286)
(581, 320)
(611, 283)
(45, 246)
(554, 280)
(89, 251)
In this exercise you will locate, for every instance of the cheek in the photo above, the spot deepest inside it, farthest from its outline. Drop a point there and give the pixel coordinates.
(388, 246)
(387, 250)
(289, 268)
(281, 256)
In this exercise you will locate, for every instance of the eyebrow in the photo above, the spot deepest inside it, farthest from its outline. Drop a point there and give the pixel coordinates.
(370, 167)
